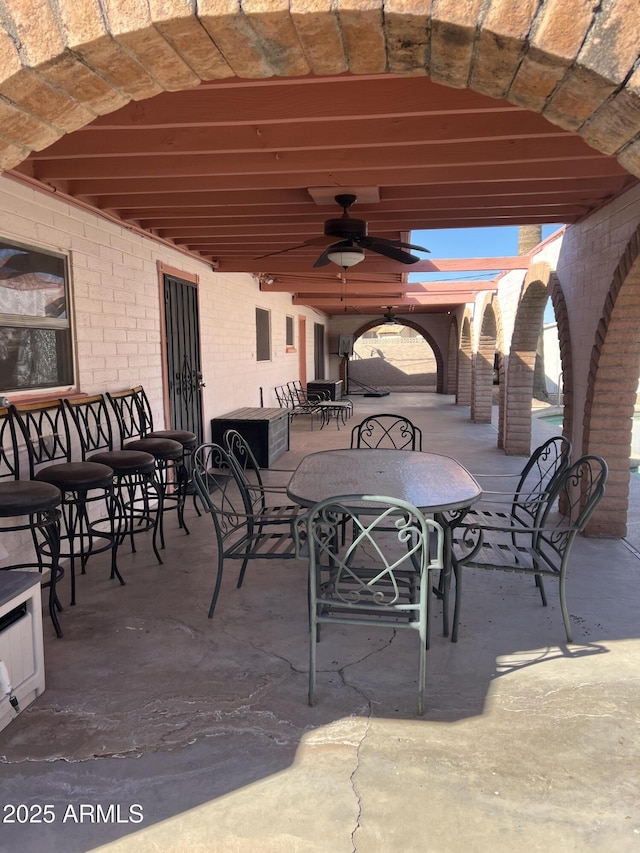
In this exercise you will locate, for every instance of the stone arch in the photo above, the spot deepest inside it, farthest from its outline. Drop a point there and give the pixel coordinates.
(465, 359)
(612, 388)
(502, 369)
(371, 324)
(482, 393)
(452, 358)
(522, 356)
(566, 359)
(70, 62)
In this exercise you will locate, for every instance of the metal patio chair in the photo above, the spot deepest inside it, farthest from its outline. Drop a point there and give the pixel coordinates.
(239, 522)
(237, 446)
(288, 400)
(375, 577)
(387, 430)
(546, 464)
(541, 550)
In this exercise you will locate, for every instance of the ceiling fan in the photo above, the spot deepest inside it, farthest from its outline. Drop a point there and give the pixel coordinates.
(346, 238)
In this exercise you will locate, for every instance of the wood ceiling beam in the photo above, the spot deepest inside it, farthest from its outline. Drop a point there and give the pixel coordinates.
(324, 302)
(304, 229)
(274, 198)
(377, 265)
(185, 217)
(369, 288)
(305, 136)
(359, 162)
(314, 99)
(195, 194)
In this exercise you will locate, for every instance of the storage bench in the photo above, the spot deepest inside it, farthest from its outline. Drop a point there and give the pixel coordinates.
(266, 431)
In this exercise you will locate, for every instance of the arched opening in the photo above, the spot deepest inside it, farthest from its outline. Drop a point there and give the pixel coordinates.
(522, 361)
(612, 390)
(465, 360)
(87, 63)
(452, 358)
(396, 357)
(71, 63)
(483, 368)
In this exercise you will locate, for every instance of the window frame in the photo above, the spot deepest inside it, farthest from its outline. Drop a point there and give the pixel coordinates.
(263, 327)
(290, 339)
(68, 368)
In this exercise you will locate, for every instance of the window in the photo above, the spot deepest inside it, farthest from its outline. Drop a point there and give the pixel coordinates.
(36, 348)
(290, 340)
(318, 355)
(263, 335)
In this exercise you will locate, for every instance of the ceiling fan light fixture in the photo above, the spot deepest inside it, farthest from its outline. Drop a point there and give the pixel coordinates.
(346, 256)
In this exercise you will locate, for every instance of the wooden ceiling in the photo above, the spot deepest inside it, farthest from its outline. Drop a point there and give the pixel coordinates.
(224, 171)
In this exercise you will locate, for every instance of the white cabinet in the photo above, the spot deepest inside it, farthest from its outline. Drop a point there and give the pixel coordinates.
(21, 647)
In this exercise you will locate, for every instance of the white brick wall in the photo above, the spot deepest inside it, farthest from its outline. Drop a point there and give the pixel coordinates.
(115, 289)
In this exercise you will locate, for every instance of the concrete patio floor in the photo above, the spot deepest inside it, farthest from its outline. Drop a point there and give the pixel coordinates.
(527, 743)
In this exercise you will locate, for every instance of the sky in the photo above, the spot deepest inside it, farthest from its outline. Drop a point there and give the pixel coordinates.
(500, 241)
(469, 243)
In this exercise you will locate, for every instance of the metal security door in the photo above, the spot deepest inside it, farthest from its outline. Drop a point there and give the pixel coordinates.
(182, 342)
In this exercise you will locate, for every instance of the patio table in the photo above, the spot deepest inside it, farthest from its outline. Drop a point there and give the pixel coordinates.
(435, 484)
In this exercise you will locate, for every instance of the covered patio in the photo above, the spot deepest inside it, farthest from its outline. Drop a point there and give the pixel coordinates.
(527, 742)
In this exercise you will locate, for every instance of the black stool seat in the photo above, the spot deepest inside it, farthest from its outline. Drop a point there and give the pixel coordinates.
(160, 448)
(77, 476)
(184, 437)
(126, 462)
(24, 497)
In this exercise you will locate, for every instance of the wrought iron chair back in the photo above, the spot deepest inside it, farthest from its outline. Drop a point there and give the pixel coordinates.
(169, 453)
(239, 523)
(129, 415)
(387, 431)
(139, 492)
(376, 575)
(542, 549)
(47, 437)
(93, 424)
(547, 463)
(238, 448)
(46, 433)
(33, 507)
(9, 456)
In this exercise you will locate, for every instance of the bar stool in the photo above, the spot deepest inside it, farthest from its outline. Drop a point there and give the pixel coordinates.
(168, 454)
(134, 471)
(46, 434)
(188, 440)
(33, 506)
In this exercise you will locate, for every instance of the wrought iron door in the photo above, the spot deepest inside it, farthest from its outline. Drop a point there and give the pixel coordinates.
(184, 373)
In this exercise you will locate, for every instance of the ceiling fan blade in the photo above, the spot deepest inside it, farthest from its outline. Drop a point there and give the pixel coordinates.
(323, 260)
(279, 252)
(323, 240)
(391, 252)
(397, 243)
(314, 241)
